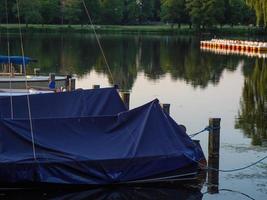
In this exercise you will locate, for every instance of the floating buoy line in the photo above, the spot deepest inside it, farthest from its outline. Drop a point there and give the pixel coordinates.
(248, 48)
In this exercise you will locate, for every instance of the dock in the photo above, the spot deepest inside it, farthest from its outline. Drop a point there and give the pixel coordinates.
(235, 45)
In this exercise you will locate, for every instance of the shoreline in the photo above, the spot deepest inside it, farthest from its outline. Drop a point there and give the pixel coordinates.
(149, 29)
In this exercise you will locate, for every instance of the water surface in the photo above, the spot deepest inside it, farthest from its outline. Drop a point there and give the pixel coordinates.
(197, 84)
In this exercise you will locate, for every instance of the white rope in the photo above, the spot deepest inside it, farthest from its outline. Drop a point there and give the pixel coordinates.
(98, 41)
(165, 178)
(26, 84)
(9, 63)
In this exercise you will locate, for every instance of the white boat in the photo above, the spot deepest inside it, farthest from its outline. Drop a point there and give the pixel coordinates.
(13, 75)
(21, 92)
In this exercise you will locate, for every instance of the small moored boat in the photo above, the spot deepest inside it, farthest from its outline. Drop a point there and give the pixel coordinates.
(13, 71)
(88, 138)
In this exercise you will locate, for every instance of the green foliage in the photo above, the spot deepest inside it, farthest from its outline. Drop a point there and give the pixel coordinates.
(50, 10)
(93, 9)
(173, 11)
(194, 8)
(214, 12)
(29, 11)
(2, 9)
(260, 6)
(111, 11)
(140, 11)
(71, 10)
(200, 13)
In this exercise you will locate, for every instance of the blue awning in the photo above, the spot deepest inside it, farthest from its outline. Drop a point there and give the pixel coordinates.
(19, 60)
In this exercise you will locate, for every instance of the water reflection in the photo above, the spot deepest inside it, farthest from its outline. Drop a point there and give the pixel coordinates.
(252, 114)
(127, 55)
(155, 56)
(158, 58)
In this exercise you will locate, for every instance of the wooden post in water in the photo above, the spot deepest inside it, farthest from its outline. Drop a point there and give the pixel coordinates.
(36, 71)
(166, 107)
(96, 86)
(52, 77)
(214, 155)
(73, 84)
(70, 83)
(125, 96)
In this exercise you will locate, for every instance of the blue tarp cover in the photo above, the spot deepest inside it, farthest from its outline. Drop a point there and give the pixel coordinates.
(78, 103)
(19, 60)
(130, 145)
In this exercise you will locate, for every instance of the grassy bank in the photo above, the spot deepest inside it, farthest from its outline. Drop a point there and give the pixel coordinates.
(158, 29)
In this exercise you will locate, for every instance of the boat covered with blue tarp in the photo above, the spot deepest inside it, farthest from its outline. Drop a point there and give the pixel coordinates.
(105, 101)
(96, 148)
(18, 60)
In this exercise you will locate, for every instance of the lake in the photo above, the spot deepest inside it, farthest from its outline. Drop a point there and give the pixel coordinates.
(197, 84)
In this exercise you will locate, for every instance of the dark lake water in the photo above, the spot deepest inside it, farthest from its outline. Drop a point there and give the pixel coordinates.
(197, 84)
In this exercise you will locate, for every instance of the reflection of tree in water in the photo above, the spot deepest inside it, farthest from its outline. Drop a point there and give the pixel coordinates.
(120, 54)
(155, 56)
(183, 60)
(252, 115)
(127, 55)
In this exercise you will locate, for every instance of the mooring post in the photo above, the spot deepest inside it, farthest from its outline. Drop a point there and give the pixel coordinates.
(166, 107)
(68, 82)
(36, 71)
(52, 77)
(73, 84)
(96, 86)
(125, 96)
(214, 155)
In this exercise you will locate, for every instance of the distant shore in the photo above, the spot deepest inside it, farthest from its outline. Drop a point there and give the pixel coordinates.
(157, 29)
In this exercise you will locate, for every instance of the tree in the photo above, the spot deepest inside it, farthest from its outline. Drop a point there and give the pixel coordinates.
(237, 12)
(260, 6)
(194, 8)
(156, 10)
(213, 12)
(93, 8)
(50, 10)
(2, 10)
(71, 10)
(141, 11)
(173, 11)
(29, 10)
(146, 8)
(111, 11)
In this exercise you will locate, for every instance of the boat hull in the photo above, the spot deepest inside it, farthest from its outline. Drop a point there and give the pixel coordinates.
(19, 82)
(188, 176)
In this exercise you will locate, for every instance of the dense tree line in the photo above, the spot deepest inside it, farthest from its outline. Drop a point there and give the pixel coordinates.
(199, 13)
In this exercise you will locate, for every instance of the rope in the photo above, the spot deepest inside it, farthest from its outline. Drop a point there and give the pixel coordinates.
(228, 170)
(166, 178)
(207, 128)
(227, 190)
(98, 41)
(9, 62)
(195, 134)
(26, 83)
(238, 169)
(234, 191)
